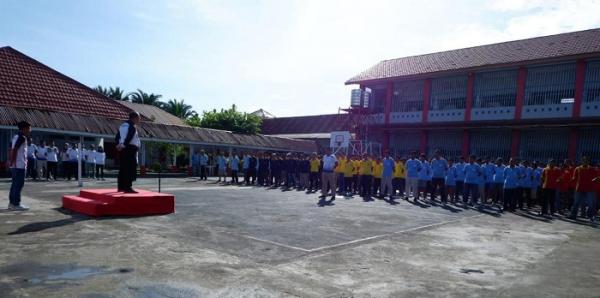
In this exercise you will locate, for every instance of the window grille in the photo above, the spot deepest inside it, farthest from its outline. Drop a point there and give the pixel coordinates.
(548, 85)
(408, 96)
(448, 93)
(544, 144)
(495, 89)
(591, 91)
(491, 142)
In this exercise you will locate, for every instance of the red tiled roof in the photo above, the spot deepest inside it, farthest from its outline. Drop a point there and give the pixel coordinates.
(306, 124)
(532, 49)
(27, 83)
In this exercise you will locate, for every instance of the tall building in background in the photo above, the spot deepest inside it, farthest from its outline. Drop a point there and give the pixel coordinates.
(536, 98)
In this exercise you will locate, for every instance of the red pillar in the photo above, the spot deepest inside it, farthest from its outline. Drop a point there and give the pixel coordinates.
(579, 85)
(386, 140)
(423, 142)
(465, 143)
(521, 79)
(573, 138)
(387, 108)
(469, 100)
(516, 140)
(426, 96)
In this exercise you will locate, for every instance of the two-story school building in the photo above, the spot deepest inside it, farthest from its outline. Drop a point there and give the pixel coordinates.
(536, 99)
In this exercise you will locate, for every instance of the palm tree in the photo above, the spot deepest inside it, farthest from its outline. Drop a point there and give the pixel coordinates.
(114, 93)
(179, 108)
(142, 97)
(117, 94)
(102, 90)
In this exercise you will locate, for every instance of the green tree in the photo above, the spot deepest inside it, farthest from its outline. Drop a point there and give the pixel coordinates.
(102, 90)
(179, 108)
(114, 93)
(231, 119)
(193, 121)
(117, 94)
(145, 98)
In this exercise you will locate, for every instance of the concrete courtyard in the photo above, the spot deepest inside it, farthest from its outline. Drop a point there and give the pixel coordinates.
(231, 241)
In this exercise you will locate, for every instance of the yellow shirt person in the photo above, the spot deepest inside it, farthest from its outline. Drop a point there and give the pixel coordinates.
(348, 169)
(377, 169)
(341, 165)
(356, 166)
(315, 163)
(366, 167)
(400, 170)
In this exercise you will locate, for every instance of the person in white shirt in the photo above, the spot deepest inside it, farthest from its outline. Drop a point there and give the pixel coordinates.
(64, 161)
(51, 161)
(73, 154)
(31, 160)
(18, 164)
(41, 164)
(90, 162)
(128, 146)
(329, 178)
(100, 160)
(203, 165)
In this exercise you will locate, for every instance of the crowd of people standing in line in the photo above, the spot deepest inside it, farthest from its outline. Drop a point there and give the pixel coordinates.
(46, 161)
(556, 188)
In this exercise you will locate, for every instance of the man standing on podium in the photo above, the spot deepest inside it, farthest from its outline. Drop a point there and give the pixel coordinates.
(128, 144)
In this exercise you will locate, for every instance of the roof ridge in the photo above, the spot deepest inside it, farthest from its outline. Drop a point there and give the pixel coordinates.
(63, 76)
(492, 44)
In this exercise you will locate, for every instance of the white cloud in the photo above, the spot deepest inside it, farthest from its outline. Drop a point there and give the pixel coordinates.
(292, 57)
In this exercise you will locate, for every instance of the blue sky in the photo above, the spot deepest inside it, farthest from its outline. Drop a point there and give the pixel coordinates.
(288, 57)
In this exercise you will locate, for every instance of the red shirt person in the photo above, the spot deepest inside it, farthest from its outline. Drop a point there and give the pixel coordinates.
(584, 177)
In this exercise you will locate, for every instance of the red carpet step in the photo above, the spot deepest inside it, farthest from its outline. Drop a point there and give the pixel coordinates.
(109, 202)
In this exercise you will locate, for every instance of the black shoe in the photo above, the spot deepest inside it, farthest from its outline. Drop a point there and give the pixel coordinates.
(130, 191)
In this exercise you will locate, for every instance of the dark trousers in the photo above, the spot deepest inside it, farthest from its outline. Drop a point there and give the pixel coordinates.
(399, 184)
(341, 182)
(472, 192)
(438, 184)
(376, 185)
(510, 198)
(31, 169)
(365, 184)
(203, 173)
(234, 177)
(251, 176)
(127, 168)
(100, 171)
(71, 167)
(497, 192)
(523, 196)
(51, 165)
(356, 183)
(313, 181)
(347, 184)
(262, 177)
(460, 190)
(18, 181)
(548, 200)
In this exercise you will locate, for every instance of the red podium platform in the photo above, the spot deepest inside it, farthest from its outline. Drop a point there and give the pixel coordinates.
(107, 202)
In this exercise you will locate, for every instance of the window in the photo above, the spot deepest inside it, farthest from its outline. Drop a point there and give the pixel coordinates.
(495, 89)
(408, 96)
(448, 142)
(491, 142)
(535, 144)
(378, 99)
(448, 93)
(588, 144)
(591, 92)
(548, 85)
